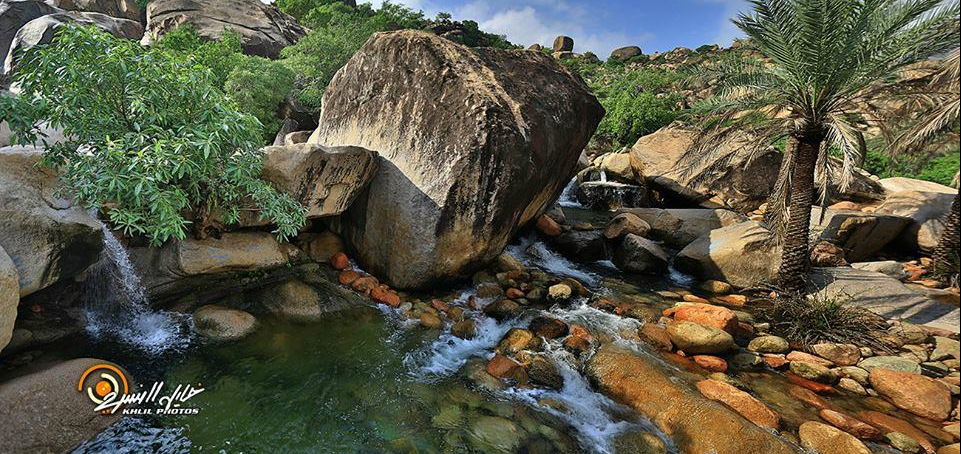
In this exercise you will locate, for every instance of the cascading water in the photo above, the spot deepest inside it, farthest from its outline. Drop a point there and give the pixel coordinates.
(116, 305)
(568, 197)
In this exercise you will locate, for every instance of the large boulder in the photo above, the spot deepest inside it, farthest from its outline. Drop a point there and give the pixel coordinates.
(124, 9)
(47, 237)
(696, 424)
(325, 180)
(625, 53)
(636, 254)
(678, 227)
(861, 235)
(900, 184)
(210, 267)
(15, 14)
(884, 295)
(474, 143)
(926, 211)
(743, 184)
(9, 297)
(43, 413)
(43, 29)
(742, 254)
(264, 29)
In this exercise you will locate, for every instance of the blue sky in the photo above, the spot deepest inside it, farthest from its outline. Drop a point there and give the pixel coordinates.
(598, 25)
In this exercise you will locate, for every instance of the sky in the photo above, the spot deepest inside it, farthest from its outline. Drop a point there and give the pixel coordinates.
(598, 25)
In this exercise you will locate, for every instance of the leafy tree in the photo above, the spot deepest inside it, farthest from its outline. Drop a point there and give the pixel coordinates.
(150, 138)
(637, 104)
(824, 60)
(219, 56)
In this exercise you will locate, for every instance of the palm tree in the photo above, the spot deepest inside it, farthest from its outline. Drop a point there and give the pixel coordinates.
(821, 61)
(935, 106)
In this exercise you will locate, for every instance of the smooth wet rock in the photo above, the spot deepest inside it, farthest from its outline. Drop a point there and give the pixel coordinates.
(542, 371)
(768, 344)
(710, 363)
(656, 336)
(471, 173)
(895, 363)
(465, 329)
(849, 424)
(582, 246)
(9, 298)
(741, 254)
(695, 423)
(321, 246)
(492, 434)
(639, 255)
(560, 292)
(43, 413)
(741, 402)
(888, 424)
(501, 310)
(708, 315)
(324, 179)
(814, 372)
(430, 321)
(548, 327)
(47, 237)
(824, 439)
(264, 30)
(699, 339)
(903, 442)
(515, 340)
(294, 300)
(219, 323)
(851, 385)
(923, 396)
(840, 354)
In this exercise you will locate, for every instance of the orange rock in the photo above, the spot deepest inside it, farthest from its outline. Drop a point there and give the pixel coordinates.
(807, 396)
(850, 424)
(741, 402)
(891, 424)
(819, 388)
(691, 298)
(580, 331)
(501, 366)
(548, 226)
(514, 293)
(384, 295)
(708, 315)
(576, 344)
(711, 363)
(923, 396)
(347, 277)
(656, 336)
(669, 312)
(774, 361)
(440, 305)
(808, 358)
(732, 300)
(744, 330)
(340, 261)
(365, 284)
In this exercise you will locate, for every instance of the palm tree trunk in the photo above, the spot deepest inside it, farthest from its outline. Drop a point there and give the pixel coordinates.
(946, 253)
(795, 255)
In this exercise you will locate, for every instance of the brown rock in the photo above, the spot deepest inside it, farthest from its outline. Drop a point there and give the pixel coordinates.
(515, 340)
(465, 329)
(626, 223)
(347, 277)
(840, 354)
(827, 254)
(711, 363)
(501, 366)
(576, 344)
(708, 315)
(850, 424)
(656, 336)
(824, 439)
(923, 396)
(430, 321)
(808, 358)
(548, 327)
(384, 295)
(365, 284)
(741, 402)
(548, 226)
(809, 397)
(340, 261)
(819, 388)
(889, 423)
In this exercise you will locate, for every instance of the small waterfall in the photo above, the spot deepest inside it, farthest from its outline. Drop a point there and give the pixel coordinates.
(116, 305)
(568, 197)
(603, 176)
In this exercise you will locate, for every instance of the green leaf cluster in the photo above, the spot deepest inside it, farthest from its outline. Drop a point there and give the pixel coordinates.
(153, 141)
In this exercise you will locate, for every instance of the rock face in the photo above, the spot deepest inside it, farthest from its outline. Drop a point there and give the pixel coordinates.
(15, 14)
(220, 323)
(42, 30)
(474, 143)
(43, 413)
(926, 211)
(124, 9)
(861, 235)
(885, 296)
(325, 180)
(193, 266)
(9, 297)
(678, 227)
(696, 424)
(740, 254)
(743, 184)
(47, 237)
(264, 29)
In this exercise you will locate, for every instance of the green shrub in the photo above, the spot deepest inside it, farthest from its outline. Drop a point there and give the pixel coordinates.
(637, 102)
(151, 138)
(260, 86)
(939, 168)
(219, 56)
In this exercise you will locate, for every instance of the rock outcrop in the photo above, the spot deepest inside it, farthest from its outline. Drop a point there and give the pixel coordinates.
(741, 254)
(43, 29)
(124, 9)
(678, 227)
(15, 14)
(861, 235)
(264, 29)
(43, 413)
(926, 211)
(325, 180)
(47, 237)
(9, 298)
(474, 143)
(696, 424)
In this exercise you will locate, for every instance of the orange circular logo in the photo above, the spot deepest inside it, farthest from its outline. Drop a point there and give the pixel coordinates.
(103, 382)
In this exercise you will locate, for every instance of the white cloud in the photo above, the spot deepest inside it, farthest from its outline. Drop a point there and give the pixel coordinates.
(727, 31)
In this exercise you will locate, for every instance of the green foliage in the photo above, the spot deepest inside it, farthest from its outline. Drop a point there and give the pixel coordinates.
(939, 169)
(257, 85)
(151, 138)
(638, 101)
